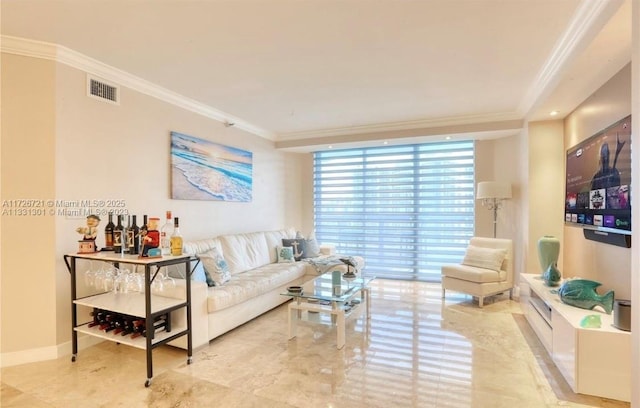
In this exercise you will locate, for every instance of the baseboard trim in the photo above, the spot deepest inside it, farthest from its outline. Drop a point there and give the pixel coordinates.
(45, 353)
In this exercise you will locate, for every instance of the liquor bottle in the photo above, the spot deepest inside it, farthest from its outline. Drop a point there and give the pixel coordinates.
(108, 234)
(134, 236)
(117, 236)
(176, 239)
(165, 235)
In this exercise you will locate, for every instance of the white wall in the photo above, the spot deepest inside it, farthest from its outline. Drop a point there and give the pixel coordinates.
(545, 185)
(499, 160)
(105, 151)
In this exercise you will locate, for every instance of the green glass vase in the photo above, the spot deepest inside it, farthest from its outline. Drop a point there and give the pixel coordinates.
(548, 253)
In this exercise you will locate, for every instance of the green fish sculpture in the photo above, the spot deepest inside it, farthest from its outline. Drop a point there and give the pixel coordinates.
(582, 293)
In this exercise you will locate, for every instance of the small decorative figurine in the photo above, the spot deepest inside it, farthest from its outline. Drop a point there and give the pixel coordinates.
(89, 233)
(582, 293)
(349, 261)
(591, 322)
(151, 239)
(551, 276)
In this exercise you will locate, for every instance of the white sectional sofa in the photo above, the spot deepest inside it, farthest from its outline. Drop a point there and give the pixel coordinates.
(255, 286)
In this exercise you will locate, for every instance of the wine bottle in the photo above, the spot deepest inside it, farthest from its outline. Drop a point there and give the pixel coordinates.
(134, 235)
(165, 235)
(145, 227)
(97, 317)
(126, 237)
(117, 236)
(108, 234)
(176, 239)
(142, 234)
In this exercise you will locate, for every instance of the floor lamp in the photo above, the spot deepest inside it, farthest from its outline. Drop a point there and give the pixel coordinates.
(492, 194)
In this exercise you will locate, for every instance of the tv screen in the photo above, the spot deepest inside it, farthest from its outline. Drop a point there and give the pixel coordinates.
(598, 180)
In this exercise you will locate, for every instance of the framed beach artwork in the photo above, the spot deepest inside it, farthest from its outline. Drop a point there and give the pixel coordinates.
(204, 170)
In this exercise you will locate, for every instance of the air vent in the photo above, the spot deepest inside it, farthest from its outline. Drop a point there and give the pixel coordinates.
(99, 89)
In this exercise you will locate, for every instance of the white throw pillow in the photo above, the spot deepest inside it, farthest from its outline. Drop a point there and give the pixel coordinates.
(313, 248)
(215, 267)
(487, 258)
(285, 254)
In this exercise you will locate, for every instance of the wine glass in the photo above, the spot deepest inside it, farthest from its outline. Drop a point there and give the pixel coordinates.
(157, 286)
(90, 275)
(167, 281)
(136, 281)
(121, 281)
(109, 279)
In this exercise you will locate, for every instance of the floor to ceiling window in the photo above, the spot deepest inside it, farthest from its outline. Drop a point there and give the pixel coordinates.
(407, 209)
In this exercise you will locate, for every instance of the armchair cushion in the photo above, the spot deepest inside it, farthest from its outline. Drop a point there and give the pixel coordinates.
(486, 258)
(473, 274)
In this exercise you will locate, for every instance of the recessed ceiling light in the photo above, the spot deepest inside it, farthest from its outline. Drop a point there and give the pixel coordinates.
(448, 137)
(553, 113)
(385, 142)
(330, 147)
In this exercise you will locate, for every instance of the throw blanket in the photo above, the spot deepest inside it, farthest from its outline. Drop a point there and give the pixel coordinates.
(325, 264)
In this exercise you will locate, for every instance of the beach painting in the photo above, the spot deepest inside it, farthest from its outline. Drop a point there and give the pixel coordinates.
(204, 170)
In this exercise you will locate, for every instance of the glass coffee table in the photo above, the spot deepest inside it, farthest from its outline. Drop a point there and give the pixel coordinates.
(321, 297)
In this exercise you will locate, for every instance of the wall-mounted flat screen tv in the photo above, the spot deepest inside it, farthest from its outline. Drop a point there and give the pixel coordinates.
(598, 179)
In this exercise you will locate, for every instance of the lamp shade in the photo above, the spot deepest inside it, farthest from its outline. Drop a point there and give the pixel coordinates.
(493, 189)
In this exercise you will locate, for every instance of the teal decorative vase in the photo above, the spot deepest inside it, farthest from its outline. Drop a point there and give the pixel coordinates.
(548, 252)
(551, 276)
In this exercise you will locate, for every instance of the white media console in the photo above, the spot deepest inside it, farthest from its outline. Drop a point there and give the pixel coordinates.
(593, 361)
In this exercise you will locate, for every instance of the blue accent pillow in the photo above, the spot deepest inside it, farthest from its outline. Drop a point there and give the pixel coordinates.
(199, 273)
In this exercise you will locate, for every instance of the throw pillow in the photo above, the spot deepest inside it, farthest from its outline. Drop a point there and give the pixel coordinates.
(312, 246)
(285, 254)
(298, 245)
(487, 258)
(215, 267)
(198, 273)
(177, 272)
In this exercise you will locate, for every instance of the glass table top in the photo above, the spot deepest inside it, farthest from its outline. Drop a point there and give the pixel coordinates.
(321, 288)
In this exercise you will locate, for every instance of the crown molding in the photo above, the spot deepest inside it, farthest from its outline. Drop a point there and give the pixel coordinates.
(420, 125)
(588, 18)
(49, 51)
(476, 130)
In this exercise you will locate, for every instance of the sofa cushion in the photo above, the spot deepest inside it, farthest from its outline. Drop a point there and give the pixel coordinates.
(247, 285)
(274, 239)
(201, 246)
(215, 267)
(473, 274)
(245, 251)
(481, 257)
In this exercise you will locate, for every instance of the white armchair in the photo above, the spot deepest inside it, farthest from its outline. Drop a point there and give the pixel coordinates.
(487, 269)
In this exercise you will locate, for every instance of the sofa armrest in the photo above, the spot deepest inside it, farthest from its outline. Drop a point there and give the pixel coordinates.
(199, 314)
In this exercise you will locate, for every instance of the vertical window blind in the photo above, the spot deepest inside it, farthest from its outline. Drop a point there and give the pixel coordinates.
(407, 209)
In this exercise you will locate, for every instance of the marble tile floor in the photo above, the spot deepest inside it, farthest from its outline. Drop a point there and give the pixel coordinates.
(416, 351)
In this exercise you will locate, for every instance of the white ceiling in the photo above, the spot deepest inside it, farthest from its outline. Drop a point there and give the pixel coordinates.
(305, 72)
